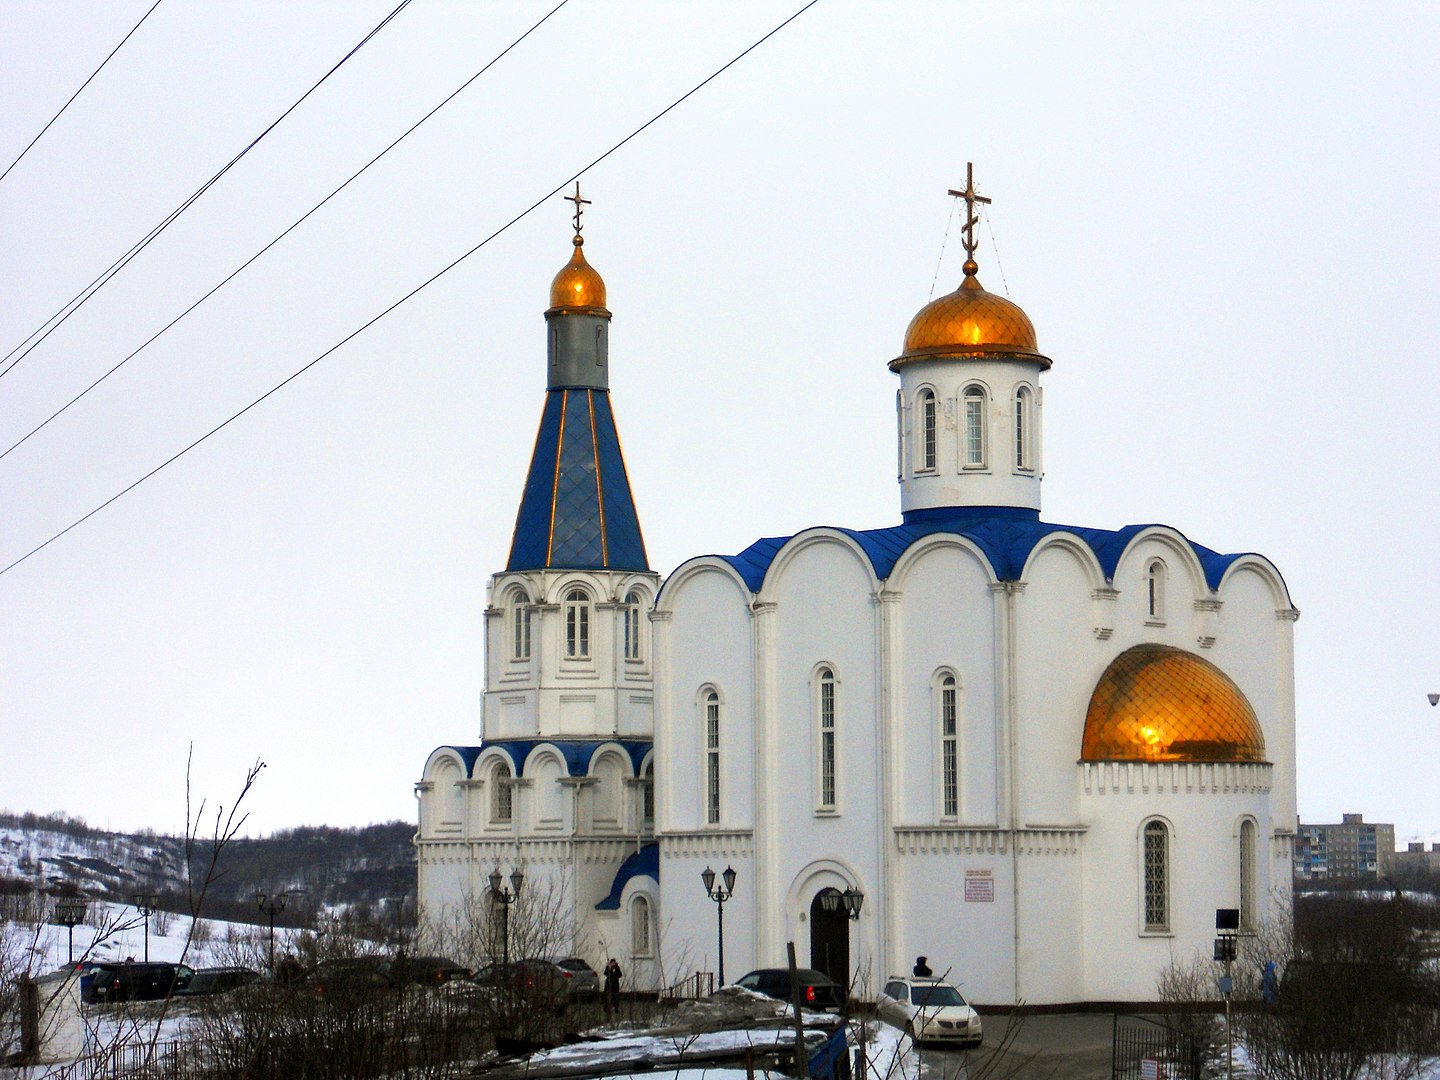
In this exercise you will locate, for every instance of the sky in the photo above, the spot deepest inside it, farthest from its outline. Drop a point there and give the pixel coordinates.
(1220, 218)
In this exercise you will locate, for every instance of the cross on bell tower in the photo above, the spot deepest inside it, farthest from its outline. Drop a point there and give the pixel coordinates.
(971, 218)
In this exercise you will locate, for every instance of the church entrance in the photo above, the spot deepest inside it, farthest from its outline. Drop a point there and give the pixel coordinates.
(830, 938)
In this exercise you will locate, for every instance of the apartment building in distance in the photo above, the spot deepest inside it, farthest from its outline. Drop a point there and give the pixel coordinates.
(1352, 849)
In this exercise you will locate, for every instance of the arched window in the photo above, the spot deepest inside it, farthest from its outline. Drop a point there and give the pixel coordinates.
(502, 795)
(1024, 429)
(712, 758)
(647, 797)
(1248, 920)
(640, 926)
(577, 625)
(520, 625)
(949, 748)
(928, 449)
(825, 721)
(1156, 857)
(1155, 590)
(974, 427)
(632, 626)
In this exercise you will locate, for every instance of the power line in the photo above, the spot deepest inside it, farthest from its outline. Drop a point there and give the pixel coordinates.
(79, 299)
(77, 92)
(418, 288)
(294, 225)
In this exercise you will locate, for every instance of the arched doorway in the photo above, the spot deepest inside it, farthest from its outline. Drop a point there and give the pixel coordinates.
(830, 938)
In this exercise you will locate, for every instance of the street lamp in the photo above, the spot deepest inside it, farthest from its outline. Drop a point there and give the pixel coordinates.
(505, 897)
(719, 893)
(851, 901)
(145, 904)
(269, 905)
(1434, 698)
(69, 914)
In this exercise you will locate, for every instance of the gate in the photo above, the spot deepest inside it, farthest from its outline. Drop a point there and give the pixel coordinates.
(1139, 1041)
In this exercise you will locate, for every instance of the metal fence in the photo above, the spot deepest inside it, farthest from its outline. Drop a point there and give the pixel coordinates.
(1145, 1049)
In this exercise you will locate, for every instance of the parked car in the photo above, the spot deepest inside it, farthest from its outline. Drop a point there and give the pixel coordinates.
(928, 1009)
(217, 980)
(817, 990)
(131, 981)
(347, 975)
(540, 983)
(581, 977)
(420, 971)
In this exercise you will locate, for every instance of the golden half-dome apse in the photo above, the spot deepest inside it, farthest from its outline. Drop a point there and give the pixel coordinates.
(1158, 703)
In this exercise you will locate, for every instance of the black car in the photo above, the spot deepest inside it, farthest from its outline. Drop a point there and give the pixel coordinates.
(421, 971)
(348, 975)
(217, 980)
(131, 981)
(817, 990)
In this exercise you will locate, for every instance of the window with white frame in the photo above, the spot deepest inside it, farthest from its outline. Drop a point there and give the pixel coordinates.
(974, 427)
(1248, 920)
(1024, 429)
(825, 720)
(520, 625)
(1155, 589)
(949, 747)
(712, 757)
(632, 626)
(640, 926)
(929, 435)
(502, 794)
(1156, 858)
(577, 625)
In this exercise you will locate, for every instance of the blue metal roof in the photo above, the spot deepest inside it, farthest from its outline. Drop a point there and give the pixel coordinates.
(576, 752)
(643, 863)
(577, 512)
(1005, 534)
(468, 754)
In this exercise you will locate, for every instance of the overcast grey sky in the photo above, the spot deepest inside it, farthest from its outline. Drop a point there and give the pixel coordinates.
(1221, 219)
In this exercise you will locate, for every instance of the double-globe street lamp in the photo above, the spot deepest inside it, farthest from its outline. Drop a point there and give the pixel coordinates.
(145, 904)
(505, 897)
(719, 893)
(69, 914)
(269, 905)
(851, 901)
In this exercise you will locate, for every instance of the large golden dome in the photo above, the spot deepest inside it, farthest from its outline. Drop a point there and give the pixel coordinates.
(577, 287)
(970, 322)
(1157, 703)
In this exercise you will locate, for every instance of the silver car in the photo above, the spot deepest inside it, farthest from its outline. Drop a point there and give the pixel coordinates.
(929, 1009)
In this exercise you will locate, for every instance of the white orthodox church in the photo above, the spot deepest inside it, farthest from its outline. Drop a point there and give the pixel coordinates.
(1040, 754)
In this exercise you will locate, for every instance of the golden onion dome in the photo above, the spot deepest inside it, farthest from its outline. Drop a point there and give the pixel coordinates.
(1157, 703)
(970, 322)
(578, 287)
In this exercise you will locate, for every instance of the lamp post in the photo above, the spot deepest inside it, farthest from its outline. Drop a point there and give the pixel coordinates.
(145, 904)
(850, 902)
(505, 897)
(269, 905)
(1227, 932)
(719, 893)
(69, 914)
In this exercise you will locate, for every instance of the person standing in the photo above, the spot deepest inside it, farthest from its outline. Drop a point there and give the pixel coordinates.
(613, 975)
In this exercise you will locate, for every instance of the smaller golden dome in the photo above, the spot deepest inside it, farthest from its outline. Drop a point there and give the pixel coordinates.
(970, 322)
(578, 287)
(1158, 703)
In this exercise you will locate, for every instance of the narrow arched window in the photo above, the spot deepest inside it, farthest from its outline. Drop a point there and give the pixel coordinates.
(1248, 920)
(1024, 429)
(632, 626)
(577, 625)
(949, 748)
(1155, 590)
(520, 625)
(502, 795)
(640, 926)
(929, 452)
(647, 797)
(712, 758)
(825, 717)
(1156, 857)
(974, 427)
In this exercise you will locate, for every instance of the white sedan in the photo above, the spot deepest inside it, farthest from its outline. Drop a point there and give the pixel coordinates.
(928, 1009)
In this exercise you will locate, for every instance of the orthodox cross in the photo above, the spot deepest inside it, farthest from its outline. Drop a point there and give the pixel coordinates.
(971, 218)
(580, 204)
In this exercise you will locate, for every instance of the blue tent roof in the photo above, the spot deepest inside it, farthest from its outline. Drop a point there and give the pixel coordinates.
(577, 512)
(576, 752)
(643, 863)
(1006, 535)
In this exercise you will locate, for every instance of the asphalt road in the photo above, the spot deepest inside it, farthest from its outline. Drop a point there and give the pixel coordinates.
(1071, 1046)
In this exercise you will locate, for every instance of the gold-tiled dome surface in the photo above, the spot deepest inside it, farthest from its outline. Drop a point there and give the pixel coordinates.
(970, 320)
(577, 286)
(1157, 703)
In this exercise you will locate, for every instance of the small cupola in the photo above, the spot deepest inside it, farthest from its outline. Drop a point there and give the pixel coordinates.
(578, 320)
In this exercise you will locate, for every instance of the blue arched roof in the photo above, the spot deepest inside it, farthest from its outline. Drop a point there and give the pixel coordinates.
(1005, 534)
(468, 754)
(643, 863)
(577, 753)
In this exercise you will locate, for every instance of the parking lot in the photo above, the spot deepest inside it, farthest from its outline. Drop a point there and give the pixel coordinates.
(1067, 1046)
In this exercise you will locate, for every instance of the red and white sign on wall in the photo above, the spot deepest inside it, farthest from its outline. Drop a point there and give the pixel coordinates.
(979, 886)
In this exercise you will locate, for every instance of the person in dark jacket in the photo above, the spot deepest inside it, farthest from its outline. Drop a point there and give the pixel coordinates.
(922, 969)
(613, 975)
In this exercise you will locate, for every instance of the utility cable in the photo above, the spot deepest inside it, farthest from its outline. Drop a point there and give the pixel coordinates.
(78, 92)
(418, 288)
(294, 225)
(78, 300)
